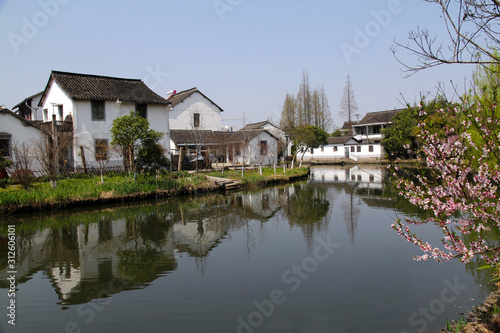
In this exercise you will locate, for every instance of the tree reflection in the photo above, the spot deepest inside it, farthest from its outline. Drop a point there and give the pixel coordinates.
(351, 213)
(307, 208)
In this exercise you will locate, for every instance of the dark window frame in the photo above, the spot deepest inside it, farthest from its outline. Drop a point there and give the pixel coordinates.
(98, 110)
(142, 110)
(6, 145)
(196, 120)
(263, 147)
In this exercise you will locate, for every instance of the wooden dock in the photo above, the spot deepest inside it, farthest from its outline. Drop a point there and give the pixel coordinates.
(226, 183)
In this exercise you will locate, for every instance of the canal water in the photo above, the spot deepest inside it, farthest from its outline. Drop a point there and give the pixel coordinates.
(314, 256)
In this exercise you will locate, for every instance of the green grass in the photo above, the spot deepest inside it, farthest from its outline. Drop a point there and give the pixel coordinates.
(253, 175)
(115, 186)
(80, 189)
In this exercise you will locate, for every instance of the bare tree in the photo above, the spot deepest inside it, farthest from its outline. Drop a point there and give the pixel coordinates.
(288, 120)
(101, 151)
(22, 156)
(472, 26)
(348, 105)
(50, 152)
(325, 116)
(303, 101)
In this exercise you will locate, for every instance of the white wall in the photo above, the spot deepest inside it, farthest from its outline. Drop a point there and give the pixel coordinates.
(21, 133)
(328, 152)
(86, 130)
(365, 150)
(252, 151)
(181, 117)
(56, 96)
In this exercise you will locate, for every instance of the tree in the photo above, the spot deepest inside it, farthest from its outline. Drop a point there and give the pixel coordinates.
(325, 121)
(400, 140)
(461, 192)
(50, 152)
(101, 151)
(472, 36)
(305, 137)
(151, 156)
(288, 113)
(129, 133)
(304, 101)
(308, 108)
(348, 105)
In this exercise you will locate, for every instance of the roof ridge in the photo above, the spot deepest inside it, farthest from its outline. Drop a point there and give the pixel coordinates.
(94, 76)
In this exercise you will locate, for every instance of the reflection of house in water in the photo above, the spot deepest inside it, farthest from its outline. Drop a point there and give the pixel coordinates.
(95, 260)
(362, 177)
(199, 230)
(128, 249)
(358, 183)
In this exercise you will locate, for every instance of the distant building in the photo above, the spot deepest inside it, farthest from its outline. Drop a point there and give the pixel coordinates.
(29, 109)
(363, 143)
(192, 110)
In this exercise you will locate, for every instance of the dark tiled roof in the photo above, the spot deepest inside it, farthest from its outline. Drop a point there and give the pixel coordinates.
(27, 99)
(336, 140)
(181, 96)
(181, 137)
(256, 125)
(207, 137)
(380, 117)
(95, 87)
(346, 125)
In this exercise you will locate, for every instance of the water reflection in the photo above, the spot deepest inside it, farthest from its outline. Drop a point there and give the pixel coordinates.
(85, 257)
(93, 255)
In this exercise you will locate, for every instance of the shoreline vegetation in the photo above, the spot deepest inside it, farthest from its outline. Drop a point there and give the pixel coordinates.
(88, 190)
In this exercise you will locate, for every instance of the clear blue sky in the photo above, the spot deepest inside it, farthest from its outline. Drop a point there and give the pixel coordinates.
(243, 54)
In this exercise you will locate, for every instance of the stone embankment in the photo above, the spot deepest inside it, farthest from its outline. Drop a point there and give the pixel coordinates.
(484, 318)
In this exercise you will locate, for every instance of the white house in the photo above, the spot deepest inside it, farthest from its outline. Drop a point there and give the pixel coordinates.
(16, 130)
(90, 103)
(191, 109)
(362, 144)
(254, 147)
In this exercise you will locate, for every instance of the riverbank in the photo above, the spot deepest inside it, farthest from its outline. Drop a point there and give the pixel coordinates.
(119, 188)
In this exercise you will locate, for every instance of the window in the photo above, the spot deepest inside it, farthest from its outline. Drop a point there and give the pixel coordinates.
(98, 112)
(322, 149)
(46, 114)
(358, 149)
(359, 178)
(353, 177)
(335, 148)
(353, 149)
(196, 120)
(60, 112)
(101, 149)
(263, 147)
(142, 110)
(372, 178)
(370, 149)
(5, 144)
(312, 151)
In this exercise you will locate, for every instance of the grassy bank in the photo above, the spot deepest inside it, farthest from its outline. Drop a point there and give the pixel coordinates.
(252, 178)
(115, 188)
